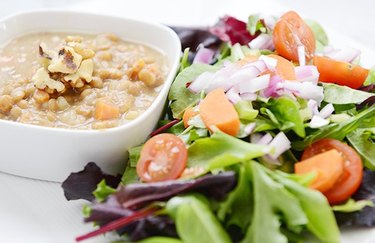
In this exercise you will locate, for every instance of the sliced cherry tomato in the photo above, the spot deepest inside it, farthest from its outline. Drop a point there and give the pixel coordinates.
(343, 73)
(163, 157)
(350, 180)
(290, 32)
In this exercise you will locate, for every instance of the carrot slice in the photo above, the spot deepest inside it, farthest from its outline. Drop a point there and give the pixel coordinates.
(216, 110)
(105, 110)
(284, 68)
(329, 166)
(188, 114)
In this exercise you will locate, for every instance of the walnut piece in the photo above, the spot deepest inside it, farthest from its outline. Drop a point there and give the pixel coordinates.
(84, 72)
(67, 61)
(42, 80)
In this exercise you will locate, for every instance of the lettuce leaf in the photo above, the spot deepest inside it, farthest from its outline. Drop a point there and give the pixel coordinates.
(222, 150)
(181, 97)
(341, 95)
(271, 199)
(363, 142)
(195, 220)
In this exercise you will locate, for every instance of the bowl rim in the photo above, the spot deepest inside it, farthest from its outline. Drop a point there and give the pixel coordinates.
(129, 125)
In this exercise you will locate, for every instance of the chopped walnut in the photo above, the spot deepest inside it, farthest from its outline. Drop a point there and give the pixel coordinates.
(80, 48)
(67, 61)
(42, 80)
(84, 72)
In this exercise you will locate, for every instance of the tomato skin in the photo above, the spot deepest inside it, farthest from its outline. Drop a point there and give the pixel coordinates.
(163, 157)
(291, 31)
(350, 180)
(343, 73)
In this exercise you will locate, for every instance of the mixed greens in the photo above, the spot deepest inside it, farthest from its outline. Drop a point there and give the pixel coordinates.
(244, 110)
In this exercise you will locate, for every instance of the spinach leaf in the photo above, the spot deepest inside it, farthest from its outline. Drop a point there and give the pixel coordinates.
(287, 113)
(337, 130)
(341, 95)
(196, 222)
(362, 141)
(237, 209)
(321, 220)
(270, 199)
(179, 95)
(222, 150)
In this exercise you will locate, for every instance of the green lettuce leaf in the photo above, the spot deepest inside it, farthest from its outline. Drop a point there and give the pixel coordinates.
(342, 95)
(363, 142)
(255, 24)
(321, 220)
(103, 191)
(237, 209)
(245, 110)
(195, 220)
(337, 130)
(160, 239)
(319, 33)
(222, 150)
(181, 97)
(371, 77)
(352, 206)
(286, 112)
(270, 200)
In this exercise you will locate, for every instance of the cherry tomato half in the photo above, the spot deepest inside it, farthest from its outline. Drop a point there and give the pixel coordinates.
(163, 157)
(350, 180)
(290, 32)
(343, 73)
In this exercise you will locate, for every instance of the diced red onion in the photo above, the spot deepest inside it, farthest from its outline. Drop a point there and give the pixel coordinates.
(259, 64)
(254, 85)
(345, 55)
(307, 73)
(244, 74)
(280, 144)
(265, 139)
(233, 96)
(249, 128)
(249, 96)
(326, 111)
(304, 90)
(269, 61)
(262, 41)
(269, 21)
(201, 82)
(273, 87)
(203, 55)
(317, 122)
(313, 106)
(301, 55)
(254, 138)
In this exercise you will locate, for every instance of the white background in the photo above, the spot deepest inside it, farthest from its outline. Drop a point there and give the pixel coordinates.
(36, 211)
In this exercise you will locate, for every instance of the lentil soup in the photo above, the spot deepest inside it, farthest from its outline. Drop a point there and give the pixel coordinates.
(78, 81)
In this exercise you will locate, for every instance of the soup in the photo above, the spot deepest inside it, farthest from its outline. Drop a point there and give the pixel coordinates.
(78, 81)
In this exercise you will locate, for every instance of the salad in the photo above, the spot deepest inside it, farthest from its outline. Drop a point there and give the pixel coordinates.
(268, 137)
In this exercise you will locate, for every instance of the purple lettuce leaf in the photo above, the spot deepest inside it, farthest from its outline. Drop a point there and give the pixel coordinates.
(365, 217)
(366, 103)
(82, 184)
(137, 195)
(230, 29)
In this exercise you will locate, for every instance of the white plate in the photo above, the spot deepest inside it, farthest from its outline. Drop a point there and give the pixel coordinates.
(36, 211)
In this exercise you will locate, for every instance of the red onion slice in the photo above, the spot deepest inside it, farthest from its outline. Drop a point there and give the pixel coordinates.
(233, 96)
(280, 144)
(249, 96)
(313, 106)
(201, 82)
(308, 73)
(305, 90)
(301, 55)
(344, 55)
(326, 111)
(272, 89)
(269, 61)
(262, 42)
(317, 122)
(254, 85)
(203, 55)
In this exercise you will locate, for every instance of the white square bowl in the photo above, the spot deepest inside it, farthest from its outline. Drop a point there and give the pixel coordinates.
(53, 153)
